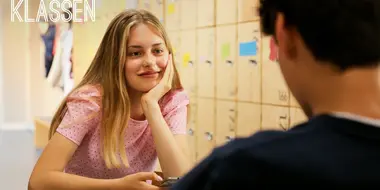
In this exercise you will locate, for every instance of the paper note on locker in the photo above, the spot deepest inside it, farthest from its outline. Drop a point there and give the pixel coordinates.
(226, 50)
(186, 59)
(248, 48)
(171, 8)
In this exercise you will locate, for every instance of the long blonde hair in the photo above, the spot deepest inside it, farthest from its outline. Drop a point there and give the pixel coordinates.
(107, 69)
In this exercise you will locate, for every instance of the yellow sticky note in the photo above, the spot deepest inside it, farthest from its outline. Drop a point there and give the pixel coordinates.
(186, 59)
(171, 8)
(225, 50)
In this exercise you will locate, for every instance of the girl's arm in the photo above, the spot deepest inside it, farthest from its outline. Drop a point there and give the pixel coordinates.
(81, 117)
(172, 149)
(48, 172)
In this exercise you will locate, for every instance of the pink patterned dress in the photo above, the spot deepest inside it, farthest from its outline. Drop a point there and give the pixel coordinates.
(84, 105)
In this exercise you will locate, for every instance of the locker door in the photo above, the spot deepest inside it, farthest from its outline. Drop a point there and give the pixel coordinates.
(175, 39)
(188, 14)
(157, 8)
(116, 6)
(226, 68)
(275, 118)
(188, 58)
(226, 12)
(248, 119)
(79, 56)
(249, 62)
(205, 127)
(225, 121)
(101, 9)
(248, 10)
(144, 4)
(297, 116)
(172, 14)
(206, 62)
(293, 101)
(275, 90)
(205, 13)
(191, 128)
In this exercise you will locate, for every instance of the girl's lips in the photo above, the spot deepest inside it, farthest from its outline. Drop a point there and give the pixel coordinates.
(149, 74)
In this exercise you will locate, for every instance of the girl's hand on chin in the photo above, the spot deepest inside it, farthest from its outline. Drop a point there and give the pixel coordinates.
(156, 93)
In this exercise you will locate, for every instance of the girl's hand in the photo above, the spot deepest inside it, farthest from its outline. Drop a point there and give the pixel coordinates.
(138, 181)
(156, 93)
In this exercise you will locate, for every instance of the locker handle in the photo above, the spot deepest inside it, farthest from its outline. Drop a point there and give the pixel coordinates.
(229, 62)
(190, 132)
(208, 136)
(228, 138)
(282, 119)
(253, 62)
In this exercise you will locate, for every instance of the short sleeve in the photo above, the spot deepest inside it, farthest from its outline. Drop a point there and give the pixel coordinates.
(175, 111)
(82, 115)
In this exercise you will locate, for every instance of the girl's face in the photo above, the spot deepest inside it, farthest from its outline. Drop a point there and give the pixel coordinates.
(147, 58)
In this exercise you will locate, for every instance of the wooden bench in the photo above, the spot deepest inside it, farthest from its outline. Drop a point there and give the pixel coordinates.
(41, 131)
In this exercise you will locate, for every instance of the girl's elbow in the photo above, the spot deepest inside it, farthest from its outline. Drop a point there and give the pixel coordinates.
(34, 183)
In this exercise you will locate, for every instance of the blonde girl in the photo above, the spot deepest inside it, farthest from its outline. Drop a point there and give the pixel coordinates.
(129, 111)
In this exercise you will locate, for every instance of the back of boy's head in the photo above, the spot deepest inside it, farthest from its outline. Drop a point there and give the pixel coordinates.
(345, 33)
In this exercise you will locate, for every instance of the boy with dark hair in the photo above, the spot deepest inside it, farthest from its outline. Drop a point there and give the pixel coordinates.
(329, 53)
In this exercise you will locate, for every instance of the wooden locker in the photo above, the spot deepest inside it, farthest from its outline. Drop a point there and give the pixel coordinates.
(205, 127)
(191, 128)
(205, 13)
(248, 119)
(225, 121)
(248, 10)
(157, 8)
(275, 118)
(206, 62)
(297, 116)
(188, 59)
(226, 68)
(175, 39)
(84, 53)
(226, 12)
(144, 4)
(275, 90)
(172, 14)
(249, 62)
(188, 14)
(79, 58)
(101, 9)
(116, 7)
(293, 101)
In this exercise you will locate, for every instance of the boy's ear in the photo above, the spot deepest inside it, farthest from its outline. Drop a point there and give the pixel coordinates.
(285, 37)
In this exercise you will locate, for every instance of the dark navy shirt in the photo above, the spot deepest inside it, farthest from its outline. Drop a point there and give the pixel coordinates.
(325, 151)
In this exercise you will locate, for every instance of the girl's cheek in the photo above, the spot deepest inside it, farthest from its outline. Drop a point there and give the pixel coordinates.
(162, 61)
(132, 66)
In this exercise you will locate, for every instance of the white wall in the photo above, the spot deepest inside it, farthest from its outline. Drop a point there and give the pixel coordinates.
(24, 91)
(15, 45)
(1, 71)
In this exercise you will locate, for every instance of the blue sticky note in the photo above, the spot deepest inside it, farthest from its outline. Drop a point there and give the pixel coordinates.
(248, 48)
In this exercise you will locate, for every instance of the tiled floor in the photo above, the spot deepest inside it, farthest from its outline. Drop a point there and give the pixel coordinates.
(17, 158)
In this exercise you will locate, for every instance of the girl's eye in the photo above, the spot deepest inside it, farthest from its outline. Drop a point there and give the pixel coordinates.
(134, 54)
(158, 51)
